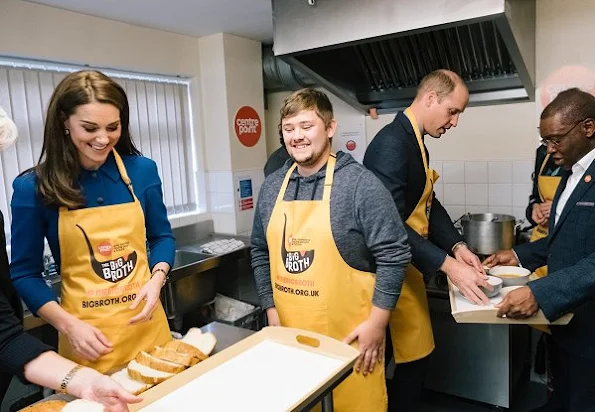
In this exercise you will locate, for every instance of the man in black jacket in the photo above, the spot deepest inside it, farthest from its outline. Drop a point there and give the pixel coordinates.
(398, 156)
(567, 126)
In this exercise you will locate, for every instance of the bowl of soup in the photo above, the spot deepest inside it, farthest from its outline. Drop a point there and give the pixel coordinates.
(511, 275)
(496, 284)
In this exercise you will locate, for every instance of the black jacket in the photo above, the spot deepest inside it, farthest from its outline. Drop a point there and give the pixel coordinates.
(276, 160)
(16, 347)
(569, 252)
(394, 157)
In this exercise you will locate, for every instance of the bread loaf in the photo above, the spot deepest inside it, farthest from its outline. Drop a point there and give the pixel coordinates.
(81, 405)
(204, 342)
(46, 406)
(159, 364)
(131, 385)
(173, 356)
(146, 374)
(183, 347)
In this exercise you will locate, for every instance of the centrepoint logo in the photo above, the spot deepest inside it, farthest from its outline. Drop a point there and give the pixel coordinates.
(247, 126)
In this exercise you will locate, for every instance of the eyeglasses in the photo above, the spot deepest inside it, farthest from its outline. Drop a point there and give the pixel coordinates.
(556, 140)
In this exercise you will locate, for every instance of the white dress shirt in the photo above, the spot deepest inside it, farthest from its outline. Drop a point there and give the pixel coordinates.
(578, 170)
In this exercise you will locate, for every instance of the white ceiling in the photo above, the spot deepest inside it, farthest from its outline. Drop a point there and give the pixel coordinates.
(246, 18)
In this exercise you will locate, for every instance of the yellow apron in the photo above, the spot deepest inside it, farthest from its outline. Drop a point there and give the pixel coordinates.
(314, 289)
(547, 186)
(104, 264)
(410, 325)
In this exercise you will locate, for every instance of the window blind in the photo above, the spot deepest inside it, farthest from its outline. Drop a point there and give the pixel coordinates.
(160, 125)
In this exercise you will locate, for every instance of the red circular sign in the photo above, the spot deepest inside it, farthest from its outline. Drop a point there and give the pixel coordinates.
(350, 145)
(247, 126)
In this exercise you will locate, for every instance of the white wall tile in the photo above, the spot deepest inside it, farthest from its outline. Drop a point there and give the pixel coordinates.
(520, 194)
(454, 194)
(225, 182)
(522, 170)
(476, 172)
(455, 211)
(439, 191)
(437, 166)
(212, 181)
(224, 223)
(212, 202)
(500, 172)
(476, 209)
(453, 172)
(225, 203)
(503, 210)
(500, 195)
(244, 220)
(519, 213)
(476, 194)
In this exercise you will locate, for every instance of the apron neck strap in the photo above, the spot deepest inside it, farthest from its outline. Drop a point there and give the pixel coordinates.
(409, 113)
(123, 173)
(328, 179)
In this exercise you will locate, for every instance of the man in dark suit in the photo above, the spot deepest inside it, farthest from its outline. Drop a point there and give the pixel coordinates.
(398, 156)
(567, 126)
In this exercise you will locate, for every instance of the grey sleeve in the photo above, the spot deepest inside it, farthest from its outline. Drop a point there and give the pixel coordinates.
(385, 238)
(259, 252)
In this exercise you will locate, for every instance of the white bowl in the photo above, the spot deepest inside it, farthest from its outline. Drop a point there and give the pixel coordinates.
(496, 284)
(511, 275)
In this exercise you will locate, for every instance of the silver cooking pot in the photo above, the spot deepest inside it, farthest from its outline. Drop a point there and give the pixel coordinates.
(486, 233)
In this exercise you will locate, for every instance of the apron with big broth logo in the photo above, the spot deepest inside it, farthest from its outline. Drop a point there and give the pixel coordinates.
(410, 325)
(314, 289)
(104, 265)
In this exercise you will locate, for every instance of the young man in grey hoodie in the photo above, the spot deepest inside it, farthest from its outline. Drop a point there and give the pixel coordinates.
(329, 250)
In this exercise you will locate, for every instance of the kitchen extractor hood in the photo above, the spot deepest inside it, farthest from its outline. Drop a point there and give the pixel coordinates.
(373, 53)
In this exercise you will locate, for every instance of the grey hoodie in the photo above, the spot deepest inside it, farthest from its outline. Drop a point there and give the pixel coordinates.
(366, 227)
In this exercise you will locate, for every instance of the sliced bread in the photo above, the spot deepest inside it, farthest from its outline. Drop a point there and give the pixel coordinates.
(82, 405)
(204, 342)
(131, 385)
(46, 406)
(159, 364)
(146, 374)
(182, 347)
(173, 356)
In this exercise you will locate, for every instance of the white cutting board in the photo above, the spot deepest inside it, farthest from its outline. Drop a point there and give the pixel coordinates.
(268, 377)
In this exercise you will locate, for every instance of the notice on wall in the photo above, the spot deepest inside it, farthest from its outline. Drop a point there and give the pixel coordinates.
(246, 195)
(247, 126)
(352, 142)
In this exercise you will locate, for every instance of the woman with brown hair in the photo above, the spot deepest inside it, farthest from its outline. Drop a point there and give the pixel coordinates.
(28, 358)
(98, 203)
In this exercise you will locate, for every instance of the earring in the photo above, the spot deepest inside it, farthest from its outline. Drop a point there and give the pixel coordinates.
(66, 132)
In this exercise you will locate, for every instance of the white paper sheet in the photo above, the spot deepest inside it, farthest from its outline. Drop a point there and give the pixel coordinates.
(269, 377)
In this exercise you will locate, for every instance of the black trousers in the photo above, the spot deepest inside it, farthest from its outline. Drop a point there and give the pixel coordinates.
(573, 382)
(405, 388)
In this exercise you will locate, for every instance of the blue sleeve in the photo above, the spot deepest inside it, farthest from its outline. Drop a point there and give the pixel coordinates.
(162, 244)
(27, 234)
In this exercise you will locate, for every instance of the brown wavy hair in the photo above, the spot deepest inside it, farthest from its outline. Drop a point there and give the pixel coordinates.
(58, 168)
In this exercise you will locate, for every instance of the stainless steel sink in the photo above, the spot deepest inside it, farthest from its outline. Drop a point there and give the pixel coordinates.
(191, 284)
(185, 258)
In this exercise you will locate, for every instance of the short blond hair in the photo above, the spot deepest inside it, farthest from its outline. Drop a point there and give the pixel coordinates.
(441, 81)
(308, 99)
